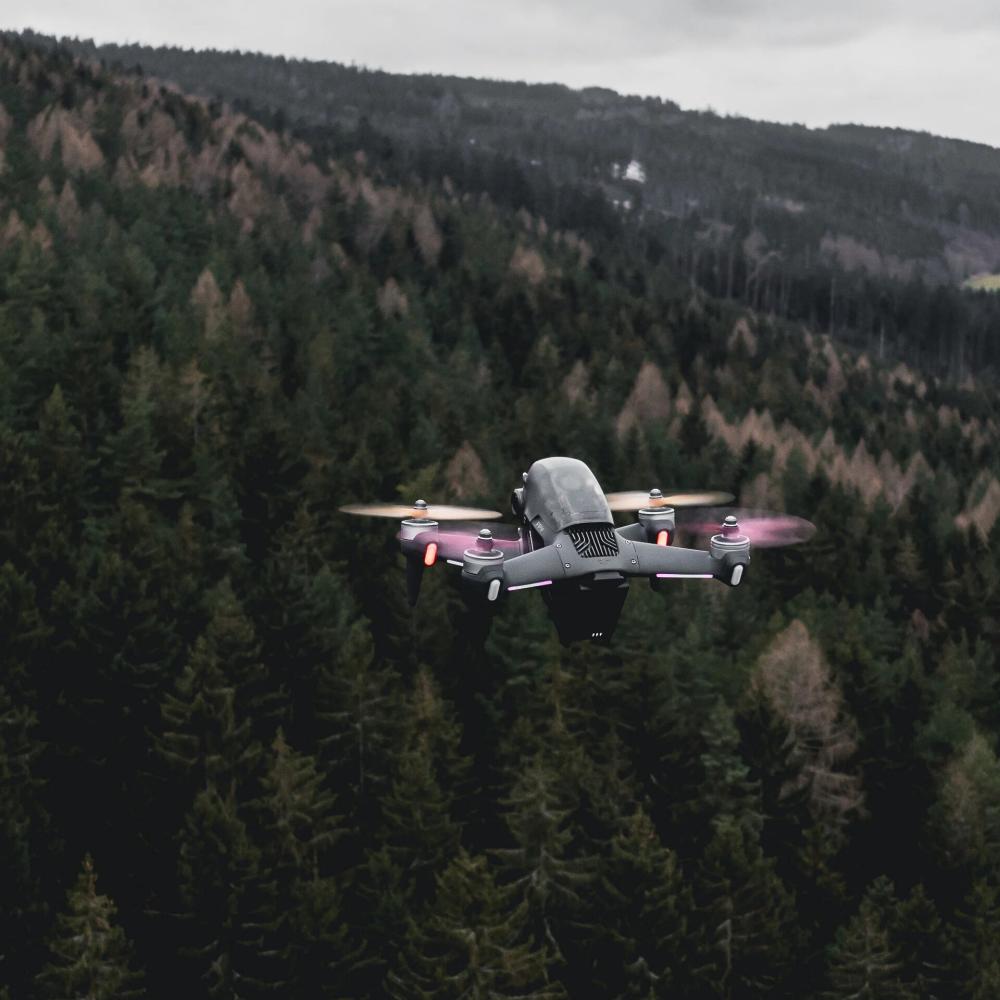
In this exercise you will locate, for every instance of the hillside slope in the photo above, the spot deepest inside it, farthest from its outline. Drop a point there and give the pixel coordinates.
(892, 203)
(225, 738)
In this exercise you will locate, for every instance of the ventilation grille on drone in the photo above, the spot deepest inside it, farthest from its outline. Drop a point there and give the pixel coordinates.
(594, 541)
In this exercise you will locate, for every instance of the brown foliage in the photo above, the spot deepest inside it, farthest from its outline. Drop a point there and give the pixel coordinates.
(794, 677)
(391, 300)
(41, 236)
(983, 511)
(648, 402)
(858, 470)
(249, 198)
(68, 210)
(427, 235)
(12, 230)
(241, 309)
(55, 124)
(465, 474)
(575, 384)
(743, 334)
(528, 264)
(208, 302)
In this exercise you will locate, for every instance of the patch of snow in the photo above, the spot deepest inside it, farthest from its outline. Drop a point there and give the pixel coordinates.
(635, 171)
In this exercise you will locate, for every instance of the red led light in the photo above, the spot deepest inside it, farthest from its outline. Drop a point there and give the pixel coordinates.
(431, 554)
(663, 537)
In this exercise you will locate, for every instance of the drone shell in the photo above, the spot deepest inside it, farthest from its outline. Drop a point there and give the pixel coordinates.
(562, 492)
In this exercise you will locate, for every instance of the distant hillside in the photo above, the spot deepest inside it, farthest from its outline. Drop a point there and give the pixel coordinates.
(885, 201)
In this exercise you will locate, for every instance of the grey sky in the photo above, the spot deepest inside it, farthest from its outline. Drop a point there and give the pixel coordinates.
(924, 64)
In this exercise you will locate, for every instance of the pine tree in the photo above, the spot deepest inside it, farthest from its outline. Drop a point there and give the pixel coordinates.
(543, 866)
(728, 792)
(472, 943)
(975, 951)
(419, 834)
(217, 868)
(23, 834)
(746, 918)
(62, 490)
(90, 953)
(220, 699)
(862, 961)
(299, 899)
(915, 932)
(647, 915)
(358, 715)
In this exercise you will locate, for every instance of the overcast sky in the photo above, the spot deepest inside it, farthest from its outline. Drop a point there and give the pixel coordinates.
(923, 64)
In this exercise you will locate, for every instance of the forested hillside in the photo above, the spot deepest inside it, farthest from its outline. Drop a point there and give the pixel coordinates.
(885, 202)
(233, 762)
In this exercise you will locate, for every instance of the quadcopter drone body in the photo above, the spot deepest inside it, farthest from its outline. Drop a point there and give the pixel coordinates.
(565, 543)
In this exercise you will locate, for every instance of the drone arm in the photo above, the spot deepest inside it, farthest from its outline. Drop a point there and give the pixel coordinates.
(634, 532)
(666, 562)
(533, 569)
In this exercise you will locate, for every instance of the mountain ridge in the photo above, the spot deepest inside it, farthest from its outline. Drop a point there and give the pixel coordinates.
(886, 201)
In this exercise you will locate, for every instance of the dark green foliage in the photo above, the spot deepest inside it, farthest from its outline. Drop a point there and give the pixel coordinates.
(647, 916)
(863, 961)
(299, 898)
(547, 866)
(90, 954)
(975, 957)
(216, 873)
(207, 733)
(296, 785)
(746, 921)
(472, 943)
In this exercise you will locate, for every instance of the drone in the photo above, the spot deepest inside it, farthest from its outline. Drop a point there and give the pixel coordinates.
(565, 544)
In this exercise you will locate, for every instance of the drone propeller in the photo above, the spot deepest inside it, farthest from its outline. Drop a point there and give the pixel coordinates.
(642, 499)
(420, 509)
(765, 529)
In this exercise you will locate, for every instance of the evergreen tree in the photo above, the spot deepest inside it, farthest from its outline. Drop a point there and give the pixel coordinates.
(542, 866)
(299, 898)
(216, 872)
(472, 943)
(647, 915)
(420, 835)
(358, 715)
(23, 835)
(728, 792)
(746, 921)
(975, 954)
(208, 728)
(862, 961)
(90, 955)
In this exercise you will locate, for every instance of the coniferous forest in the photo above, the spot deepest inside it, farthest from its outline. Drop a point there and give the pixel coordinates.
(235, 764)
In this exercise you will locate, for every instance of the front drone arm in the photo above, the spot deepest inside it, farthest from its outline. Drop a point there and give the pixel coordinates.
(667, 562)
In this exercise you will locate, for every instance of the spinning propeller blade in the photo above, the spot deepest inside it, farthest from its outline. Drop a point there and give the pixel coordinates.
(765, 529)
(433, 512)
(639, 499)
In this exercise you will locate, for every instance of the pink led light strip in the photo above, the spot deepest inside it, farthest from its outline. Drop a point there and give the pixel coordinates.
(684, 576)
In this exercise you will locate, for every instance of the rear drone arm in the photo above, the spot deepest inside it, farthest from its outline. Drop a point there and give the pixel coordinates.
(662, 562)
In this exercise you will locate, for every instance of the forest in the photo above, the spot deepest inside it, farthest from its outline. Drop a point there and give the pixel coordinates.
(235, 764)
